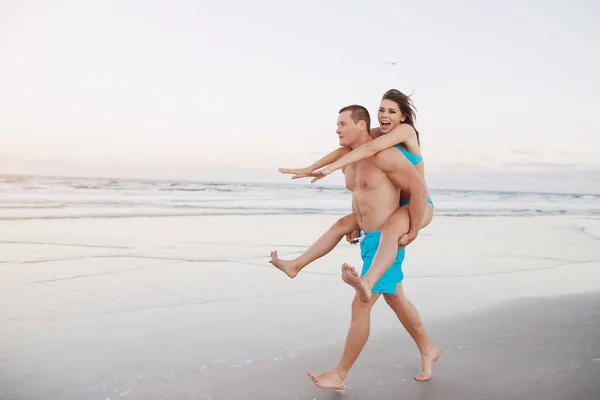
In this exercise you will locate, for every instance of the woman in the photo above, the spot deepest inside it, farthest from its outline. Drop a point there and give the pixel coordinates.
(396, 118)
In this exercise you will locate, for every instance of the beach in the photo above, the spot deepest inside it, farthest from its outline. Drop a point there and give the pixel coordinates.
(537, 348)
(160, 307)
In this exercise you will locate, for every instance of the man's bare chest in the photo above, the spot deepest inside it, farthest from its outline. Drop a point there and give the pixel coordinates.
(363, 175)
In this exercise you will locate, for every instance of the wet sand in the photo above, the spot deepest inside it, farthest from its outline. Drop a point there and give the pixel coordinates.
(123, 307)
(544, 348)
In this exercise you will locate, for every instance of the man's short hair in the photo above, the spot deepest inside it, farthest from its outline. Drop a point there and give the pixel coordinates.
(358, 113)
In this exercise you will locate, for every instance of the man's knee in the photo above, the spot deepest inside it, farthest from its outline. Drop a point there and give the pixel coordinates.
(395, 300)
(390, 299)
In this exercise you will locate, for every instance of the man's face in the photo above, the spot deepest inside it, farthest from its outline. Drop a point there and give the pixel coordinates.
(347, 130)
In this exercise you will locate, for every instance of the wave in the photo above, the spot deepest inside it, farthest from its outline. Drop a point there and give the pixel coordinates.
(163, 215)
(240, 211)
(85, 186)
(30, 206)
(60, 197)
(180, 189)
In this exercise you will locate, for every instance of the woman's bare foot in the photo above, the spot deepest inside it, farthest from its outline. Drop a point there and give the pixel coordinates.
(288, 266)
(427, 360)
(328, 380)
(350, 276)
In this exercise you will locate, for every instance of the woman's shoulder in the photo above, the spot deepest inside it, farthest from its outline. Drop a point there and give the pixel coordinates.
(408, 138)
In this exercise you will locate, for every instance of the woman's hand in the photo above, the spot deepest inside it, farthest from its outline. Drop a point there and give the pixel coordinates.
(407, 239)
(294, 171)
(316, 175)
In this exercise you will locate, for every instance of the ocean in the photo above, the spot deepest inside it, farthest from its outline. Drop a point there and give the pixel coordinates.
(36, 197)
(94, 305)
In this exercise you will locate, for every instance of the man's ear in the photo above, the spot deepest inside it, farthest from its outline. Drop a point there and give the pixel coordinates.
(362, 124)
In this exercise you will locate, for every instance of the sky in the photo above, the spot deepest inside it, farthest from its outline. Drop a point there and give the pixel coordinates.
(506, 92)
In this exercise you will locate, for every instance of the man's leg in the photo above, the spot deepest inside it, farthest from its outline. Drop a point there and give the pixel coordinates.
(355, 341)
(410, 319)
(321, 247)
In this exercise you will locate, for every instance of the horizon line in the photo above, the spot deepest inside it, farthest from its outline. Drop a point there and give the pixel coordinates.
(278, 183)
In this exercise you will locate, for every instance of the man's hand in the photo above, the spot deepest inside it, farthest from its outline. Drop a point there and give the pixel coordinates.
(353, 236)
(407, 238)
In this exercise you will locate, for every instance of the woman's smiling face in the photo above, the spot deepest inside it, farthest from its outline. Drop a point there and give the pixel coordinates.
(389, 115)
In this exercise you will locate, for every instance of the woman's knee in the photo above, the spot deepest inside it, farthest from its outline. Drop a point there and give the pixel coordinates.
(346, 224)
(391, 233)
(396, 226)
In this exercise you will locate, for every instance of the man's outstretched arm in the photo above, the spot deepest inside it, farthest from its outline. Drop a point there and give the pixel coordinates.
(404, 175)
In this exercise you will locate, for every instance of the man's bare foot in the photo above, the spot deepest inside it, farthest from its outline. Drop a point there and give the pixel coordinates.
(287, 266)
(328, 380)
(350, 276)
(427, 360)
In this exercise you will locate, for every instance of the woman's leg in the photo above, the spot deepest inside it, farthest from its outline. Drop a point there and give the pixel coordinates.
(322, 246)
(394, 228)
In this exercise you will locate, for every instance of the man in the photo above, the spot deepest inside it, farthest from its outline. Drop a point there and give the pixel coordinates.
(375, 185)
